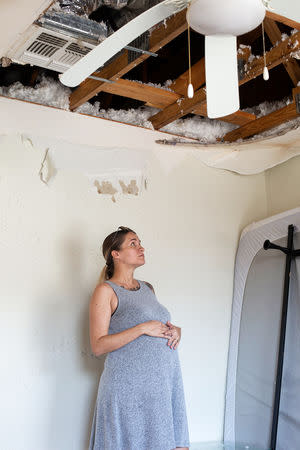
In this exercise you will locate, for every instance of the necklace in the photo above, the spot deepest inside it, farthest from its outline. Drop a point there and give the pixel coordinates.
(131, 289)
(136, 288)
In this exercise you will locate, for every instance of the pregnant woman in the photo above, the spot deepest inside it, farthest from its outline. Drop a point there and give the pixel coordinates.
(140, 403)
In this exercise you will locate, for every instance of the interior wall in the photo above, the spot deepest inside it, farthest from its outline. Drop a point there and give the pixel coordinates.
(189, 219)
(283, 186)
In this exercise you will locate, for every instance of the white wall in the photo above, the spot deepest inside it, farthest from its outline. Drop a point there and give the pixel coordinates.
(283, 186)
(189, 220)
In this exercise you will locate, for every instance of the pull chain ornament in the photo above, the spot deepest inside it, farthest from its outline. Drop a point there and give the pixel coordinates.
(266, 71)
(190, 90)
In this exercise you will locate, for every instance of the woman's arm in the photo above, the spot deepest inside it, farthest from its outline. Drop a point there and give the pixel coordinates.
(100, 315)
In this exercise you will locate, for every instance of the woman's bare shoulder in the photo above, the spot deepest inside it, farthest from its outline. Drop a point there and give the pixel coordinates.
(102, 289)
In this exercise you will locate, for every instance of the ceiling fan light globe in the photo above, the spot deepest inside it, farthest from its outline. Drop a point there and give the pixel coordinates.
(234, 17)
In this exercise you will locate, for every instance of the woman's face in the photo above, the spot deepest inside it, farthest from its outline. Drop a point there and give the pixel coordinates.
(131, 252)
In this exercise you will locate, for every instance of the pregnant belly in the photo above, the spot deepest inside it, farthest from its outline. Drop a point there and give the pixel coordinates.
(144, 354)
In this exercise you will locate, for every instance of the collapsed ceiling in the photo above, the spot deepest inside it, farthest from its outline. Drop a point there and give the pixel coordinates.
(152, 71)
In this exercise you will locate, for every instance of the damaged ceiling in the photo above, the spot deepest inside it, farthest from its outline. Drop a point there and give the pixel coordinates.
(153, 70)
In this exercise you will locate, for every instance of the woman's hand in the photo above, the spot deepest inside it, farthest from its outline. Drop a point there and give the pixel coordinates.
(174, 334)
(154, 328)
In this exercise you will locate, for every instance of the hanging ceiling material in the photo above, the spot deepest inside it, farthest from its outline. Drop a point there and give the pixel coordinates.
(244, 158)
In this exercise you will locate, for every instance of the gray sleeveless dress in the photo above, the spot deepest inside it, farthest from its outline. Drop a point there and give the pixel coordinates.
(140, 402)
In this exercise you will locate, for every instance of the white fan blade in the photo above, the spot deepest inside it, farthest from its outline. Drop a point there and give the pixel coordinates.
(286, 8)
(118, 40)
(221, 72)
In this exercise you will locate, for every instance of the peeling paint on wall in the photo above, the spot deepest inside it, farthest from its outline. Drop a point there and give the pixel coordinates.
(131, 188)
(109, 170)
(105, 188)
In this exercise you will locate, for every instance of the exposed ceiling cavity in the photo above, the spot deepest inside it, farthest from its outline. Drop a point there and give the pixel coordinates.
(152, 72)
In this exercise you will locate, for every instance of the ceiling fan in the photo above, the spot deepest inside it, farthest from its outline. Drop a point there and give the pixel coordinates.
(219, 21)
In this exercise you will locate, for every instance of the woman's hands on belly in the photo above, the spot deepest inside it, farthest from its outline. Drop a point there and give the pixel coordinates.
(174, 334)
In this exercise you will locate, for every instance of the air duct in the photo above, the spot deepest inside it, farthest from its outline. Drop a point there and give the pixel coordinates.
(86, 7)
(75, 26)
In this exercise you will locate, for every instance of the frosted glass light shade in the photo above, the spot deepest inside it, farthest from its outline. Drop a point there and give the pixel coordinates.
(234, 17)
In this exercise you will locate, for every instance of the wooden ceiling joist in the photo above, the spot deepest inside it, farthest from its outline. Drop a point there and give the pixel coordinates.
(178, 109)
(152, 95)
(197, 75)
(238, 118)
(267, 122)
(278, 54)
(292, 67)
(161, 98)
(290, 23)
(160, 36)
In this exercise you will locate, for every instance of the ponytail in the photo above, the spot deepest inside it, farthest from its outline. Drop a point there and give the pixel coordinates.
(112, 242)
(102, 276)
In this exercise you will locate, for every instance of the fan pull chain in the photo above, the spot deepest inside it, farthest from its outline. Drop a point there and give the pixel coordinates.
(190, 90)
(266, 72)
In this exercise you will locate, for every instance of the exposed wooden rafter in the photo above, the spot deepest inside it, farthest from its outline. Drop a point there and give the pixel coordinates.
(160, 36)
(274, 33)
(290, 23)
(161, 98)
(154, 96)
(238, 118)
(198, 78)
(277, 55)
(174, 103)
(267, 122)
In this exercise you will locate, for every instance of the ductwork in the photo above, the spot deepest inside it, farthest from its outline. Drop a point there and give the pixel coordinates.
(65, 32)
(86, 7)
(117, 12)
(75, 26)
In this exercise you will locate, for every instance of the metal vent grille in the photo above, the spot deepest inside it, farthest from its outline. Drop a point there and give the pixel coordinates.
(73, 52)
(49, 49)
(50, 39)
(78, 49)
(46, 45)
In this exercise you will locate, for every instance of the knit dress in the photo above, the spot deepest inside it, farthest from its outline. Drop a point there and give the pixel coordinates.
(140, 402)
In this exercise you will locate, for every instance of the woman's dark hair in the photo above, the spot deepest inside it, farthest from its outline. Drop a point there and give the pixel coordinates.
(112, 242)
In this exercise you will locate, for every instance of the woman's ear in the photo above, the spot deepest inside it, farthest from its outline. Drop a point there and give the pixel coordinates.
(115, 254)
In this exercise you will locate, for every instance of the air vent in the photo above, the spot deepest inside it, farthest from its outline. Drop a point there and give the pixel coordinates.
(49, 49)
(50, 39)
(46, 45)
(77, 49)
